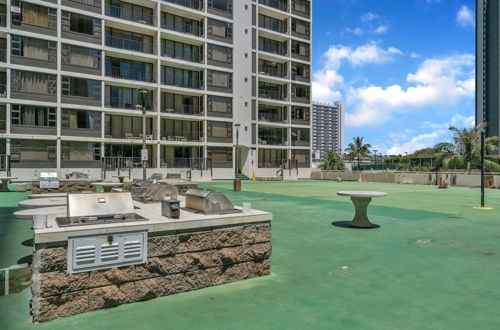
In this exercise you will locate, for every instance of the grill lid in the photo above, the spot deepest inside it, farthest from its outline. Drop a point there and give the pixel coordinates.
(100, 205)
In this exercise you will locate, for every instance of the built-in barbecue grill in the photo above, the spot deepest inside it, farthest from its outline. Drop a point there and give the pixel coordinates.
(148, 191)
(208, 202)
(48, 180)
(99, 208)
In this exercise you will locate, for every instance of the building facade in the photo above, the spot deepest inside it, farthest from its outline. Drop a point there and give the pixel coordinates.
(328, 128)
(76, 74)
(488, 65)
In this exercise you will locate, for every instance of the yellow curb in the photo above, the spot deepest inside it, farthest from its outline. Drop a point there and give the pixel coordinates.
(483, 208)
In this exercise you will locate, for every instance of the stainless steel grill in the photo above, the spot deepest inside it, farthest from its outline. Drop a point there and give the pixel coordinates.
(99, 208)
(208, 202)
(153, 192)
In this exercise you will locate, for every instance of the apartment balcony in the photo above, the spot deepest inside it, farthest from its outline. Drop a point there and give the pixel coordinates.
(273, 24)
(301, 72)
(39, 19)
(181, 136)
(87, 5)
(182, 24)
(276, 4)
(178, 53)
(81, 59)
(301, 137)
(272, 94)
(183, 109)
(192, 4)
(301, 94)
(129, 44)
(278, 70)
(3, 90)
(33, 129)
(3, 55)
(3, 20)
(128, 74)
(137, 16)
(272, 140)
(301, 8)
(3, 125)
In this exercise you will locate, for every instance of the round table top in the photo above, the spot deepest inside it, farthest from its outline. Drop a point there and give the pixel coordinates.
(7, 177)
(29, 213)
(107, 184)
(49, 195)
(43, 202)
(366, 194)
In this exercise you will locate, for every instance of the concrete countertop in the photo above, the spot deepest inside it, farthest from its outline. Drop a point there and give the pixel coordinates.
(155, 223)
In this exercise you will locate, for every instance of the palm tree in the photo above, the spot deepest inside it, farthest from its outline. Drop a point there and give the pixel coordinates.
(358, 149)
(332, 162)
(467, 147)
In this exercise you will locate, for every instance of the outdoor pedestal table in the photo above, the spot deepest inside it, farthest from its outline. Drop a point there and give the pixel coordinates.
(121, 178)
(29, 213)
(43, 202)
(4, 183)
(107, 185)
(361, 199)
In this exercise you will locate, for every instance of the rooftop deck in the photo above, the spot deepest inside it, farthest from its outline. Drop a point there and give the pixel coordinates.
(433, 263)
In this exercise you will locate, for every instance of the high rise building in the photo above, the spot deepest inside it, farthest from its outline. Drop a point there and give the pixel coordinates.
(488, 65)
(328, 128)
(76, 74)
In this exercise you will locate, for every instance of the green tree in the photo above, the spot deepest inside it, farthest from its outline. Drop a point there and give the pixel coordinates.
(332, 162)
(405, 164)
(467, 148)
(358, 149)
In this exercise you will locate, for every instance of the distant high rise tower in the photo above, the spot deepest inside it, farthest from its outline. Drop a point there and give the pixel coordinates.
(328, 128)
(488, 65)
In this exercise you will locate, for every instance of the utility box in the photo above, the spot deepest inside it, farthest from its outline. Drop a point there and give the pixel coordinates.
(171, 208)
(49, 180)
(87, 253)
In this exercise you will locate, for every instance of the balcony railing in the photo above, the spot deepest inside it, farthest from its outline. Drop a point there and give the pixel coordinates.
(277, 4)
(286, 164)
(272, 140)
(195, 84)
(124, 43)
(273, 49)
(273, 26)
(272, 71)
(129, 15)
(118, 103)
(272, 117)
(181, 136)
(112, 163)
(177, 53)
(92, 3)
(193, 4)
(120, 73)
(184, 28)
(271, 94)
(184, 109)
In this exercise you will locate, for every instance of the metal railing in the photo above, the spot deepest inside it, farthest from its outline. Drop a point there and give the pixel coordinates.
(129, 15)
(193, 4)
(113, 163)
(272, 71)
(173, 52)
(271, 94)
(276, 26)
(183, 28)
(277, 4)
(185, 109)
(195, 84)
(117, 72)
(118, 103)
(272, 117)
(272, 140)
(134, 45)
(92, 3)
(181, 136)
(286, 164)
(273, 49)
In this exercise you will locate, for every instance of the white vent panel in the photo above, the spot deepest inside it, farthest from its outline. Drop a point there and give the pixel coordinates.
(106, 251)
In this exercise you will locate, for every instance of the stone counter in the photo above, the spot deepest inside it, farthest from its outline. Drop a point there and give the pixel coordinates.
(179, 260)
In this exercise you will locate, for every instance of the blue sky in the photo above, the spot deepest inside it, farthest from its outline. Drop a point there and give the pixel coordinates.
(403, 68)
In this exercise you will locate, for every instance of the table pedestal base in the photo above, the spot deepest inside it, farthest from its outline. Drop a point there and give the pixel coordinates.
(360, 219)
(4, 186)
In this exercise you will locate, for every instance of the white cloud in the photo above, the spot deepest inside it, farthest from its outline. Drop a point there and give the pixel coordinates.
(368, 17)
(418, 142)
(465, 17)
(438, 82)
(326, 85)
(414, 55)
(381, 29)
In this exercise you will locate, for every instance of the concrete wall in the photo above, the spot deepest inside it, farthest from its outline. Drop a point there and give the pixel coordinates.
(427, 178)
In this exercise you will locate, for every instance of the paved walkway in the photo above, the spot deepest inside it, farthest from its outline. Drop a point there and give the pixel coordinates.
(432, 264)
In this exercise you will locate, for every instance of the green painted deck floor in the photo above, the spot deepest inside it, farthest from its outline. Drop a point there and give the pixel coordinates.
(434, 263)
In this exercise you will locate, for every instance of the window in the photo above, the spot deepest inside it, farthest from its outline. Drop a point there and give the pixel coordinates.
(219, 129)
(81, 119)
(220, 156)
(220, 54)
(33, 116)
(33, 82)
(181, 24)
(220, 29)
(300, 48)
(81, 24)
(81, 56)
(222, 5)
(220, 104)
(219, 79)
(272, 23)
(125, 98)
(35, 15)
(272, 46)
(72, 86)
(301, 91)
(129, 40)
(129, 11)
(128, 69)
(300, 27)
(181, 77)
(182, 51)
(34, 48)
(185, 104)
(80, 151)
(269, 158)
